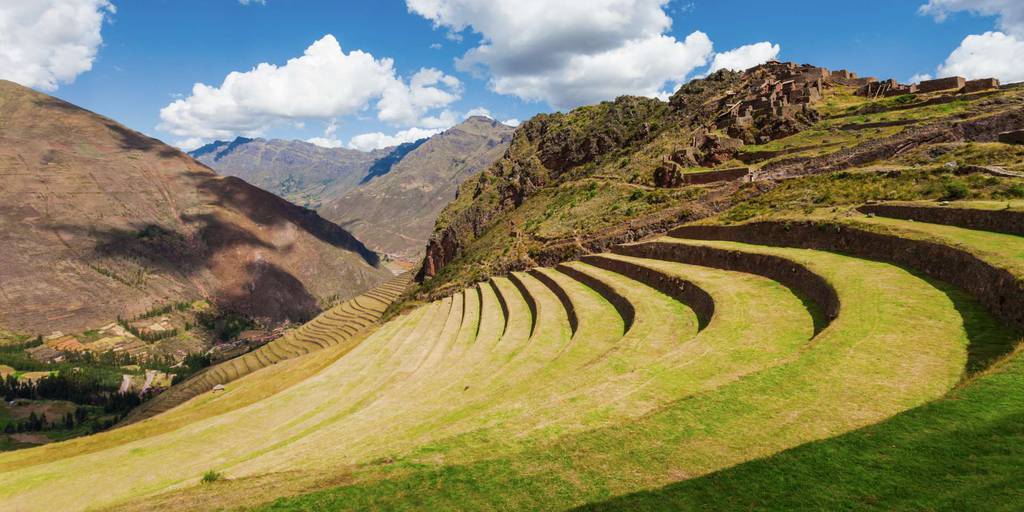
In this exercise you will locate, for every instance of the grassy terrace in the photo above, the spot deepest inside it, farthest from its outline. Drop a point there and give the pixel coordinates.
(491, 398)
(687, 438)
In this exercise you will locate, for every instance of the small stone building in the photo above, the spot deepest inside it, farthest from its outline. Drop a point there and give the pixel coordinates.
(981, 84)
(942, 84)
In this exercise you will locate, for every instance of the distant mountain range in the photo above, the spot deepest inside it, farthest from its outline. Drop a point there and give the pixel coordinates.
(99, 221)
(387, 198)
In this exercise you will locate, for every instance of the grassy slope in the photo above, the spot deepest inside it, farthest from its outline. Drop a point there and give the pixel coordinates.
(533, 422)
(713, 430)
(961, 452)
(848, 188)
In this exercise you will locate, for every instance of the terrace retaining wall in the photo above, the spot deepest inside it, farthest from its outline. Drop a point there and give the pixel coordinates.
(700, 301)
(563, 297)
(1000, 221)
(706, 177)
(501, 303)
(531, 301)
(998, 289)
(621, 304)
(794, 276)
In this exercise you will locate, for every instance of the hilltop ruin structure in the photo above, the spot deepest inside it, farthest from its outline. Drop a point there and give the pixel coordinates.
(776, 102)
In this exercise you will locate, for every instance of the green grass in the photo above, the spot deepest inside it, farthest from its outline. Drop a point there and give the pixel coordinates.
(453, 405)
(962, 452)
(685, 436)
(451, 486)
(211, 476)
(1002, 250)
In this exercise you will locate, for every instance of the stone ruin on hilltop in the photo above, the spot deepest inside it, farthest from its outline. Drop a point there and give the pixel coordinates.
(774, 101)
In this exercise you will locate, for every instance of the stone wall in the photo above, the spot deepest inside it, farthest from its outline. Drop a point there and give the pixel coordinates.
(1012, 137)
(1000, 221)
(941, 84)
(981, 84)
(703, 178)
(998, 289)
(501, 303)
(700, 301)
(621, 304)
(531, 301)
(793, 275)
(563, 297)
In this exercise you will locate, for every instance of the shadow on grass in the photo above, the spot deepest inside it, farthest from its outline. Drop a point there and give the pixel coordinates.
(818, 315)
(989, 338)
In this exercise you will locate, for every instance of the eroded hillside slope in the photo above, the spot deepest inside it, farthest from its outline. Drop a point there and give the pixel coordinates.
(99, 221)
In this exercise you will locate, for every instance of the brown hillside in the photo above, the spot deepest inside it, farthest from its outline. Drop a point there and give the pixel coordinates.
(395, 213)
(97, 221)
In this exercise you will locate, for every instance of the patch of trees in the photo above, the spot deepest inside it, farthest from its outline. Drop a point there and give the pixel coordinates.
(225, 326)
(163, 310)
(14, 355)
(70, 421)
(79, 387)
(196, 362)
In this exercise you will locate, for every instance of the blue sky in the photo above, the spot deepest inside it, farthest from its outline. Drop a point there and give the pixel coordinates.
(520, 61)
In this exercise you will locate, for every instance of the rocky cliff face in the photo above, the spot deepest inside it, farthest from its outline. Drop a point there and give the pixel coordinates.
(394, 212)
(97, 220)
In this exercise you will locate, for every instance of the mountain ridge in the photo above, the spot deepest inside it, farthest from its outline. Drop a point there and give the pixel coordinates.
(356, 189)
(395, 212)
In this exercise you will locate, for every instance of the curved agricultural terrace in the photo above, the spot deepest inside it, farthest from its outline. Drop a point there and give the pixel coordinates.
(658, 374)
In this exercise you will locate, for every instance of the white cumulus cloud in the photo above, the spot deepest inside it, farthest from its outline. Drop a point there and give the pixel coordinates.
(445, 119)
(189, 144)
(1009, 12)
(428, 89)
(992, 54)
(996, 54)
(511, 122)
(329, 140)
(323, 83)
(44, 43)
(378, 140)
(744, 57)
(570, 52)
